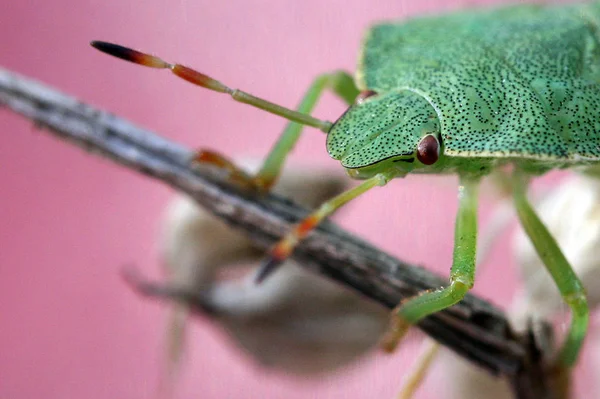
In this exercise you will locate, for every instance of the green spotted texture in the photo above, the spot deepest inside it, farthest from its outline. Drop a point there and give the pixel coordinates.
(517, 82)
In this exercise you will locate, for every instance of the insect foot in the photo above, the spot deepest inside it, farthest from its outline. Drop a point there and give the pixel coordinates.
(235, 174)
(397, 329)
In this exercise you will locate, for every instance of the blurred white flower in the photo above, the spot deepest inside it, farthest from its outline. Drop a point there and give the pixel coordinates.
(295, 322)
(571, 211)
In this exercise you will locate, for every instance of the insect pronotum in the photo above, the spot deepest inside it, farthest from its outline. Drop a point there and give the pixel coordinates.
(467, 93)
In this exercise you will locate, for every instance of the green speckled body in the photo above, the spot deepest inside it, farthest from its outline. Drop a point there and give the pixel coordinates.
(518, 83)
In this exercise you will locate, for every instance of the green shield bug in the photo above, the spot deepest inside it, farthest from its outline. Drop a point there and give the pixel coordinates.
(468, 93)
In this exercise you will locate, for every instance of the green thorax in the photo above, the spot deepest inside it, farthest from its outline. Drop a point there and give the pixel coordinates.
(517, 82)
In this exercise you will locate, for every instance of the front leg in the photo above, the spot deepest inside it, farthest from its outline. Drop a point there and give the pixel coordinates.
(462, 275)
(339, 82)
(284, 248)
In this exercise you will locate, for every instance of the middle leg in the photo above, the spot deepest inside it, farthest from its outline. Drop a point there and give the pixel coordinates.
(462, 275)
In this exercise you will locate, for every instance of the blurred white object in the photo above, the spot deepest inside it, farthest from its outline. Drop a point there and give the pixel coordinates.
(294, 322)
(470, 382)
(571, 211)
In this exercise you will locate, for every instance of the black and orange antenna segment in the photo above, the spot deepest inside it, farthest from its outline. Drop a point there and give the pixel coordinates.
(206, 81)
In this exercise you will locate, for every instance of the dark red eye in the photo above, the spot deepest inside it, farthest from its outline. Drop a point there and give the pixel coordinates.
(363, 95)
(428, 150)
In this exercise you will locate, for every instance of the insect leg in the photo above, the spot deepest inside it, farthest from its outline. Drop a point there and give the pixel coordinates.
(419, 370)
(501, 216)
(283, 249)
(569, 285)
(462, 275)
(342, 84)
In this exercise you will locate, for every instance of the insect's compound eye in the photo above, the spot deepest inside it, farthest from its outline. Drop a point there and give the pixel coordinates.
(363, 95)
(428, 150)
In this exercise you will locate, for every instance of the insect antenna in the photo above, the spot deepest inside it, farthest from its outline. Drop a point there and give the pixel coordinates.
(206, 81)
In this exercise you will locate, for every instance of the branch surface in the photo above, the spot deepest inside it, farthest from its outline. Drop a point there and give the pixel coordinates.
(475, 329)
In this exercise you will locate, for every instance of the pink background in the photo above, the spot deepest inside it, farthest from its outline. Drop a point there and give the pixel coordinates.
(69, 327)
